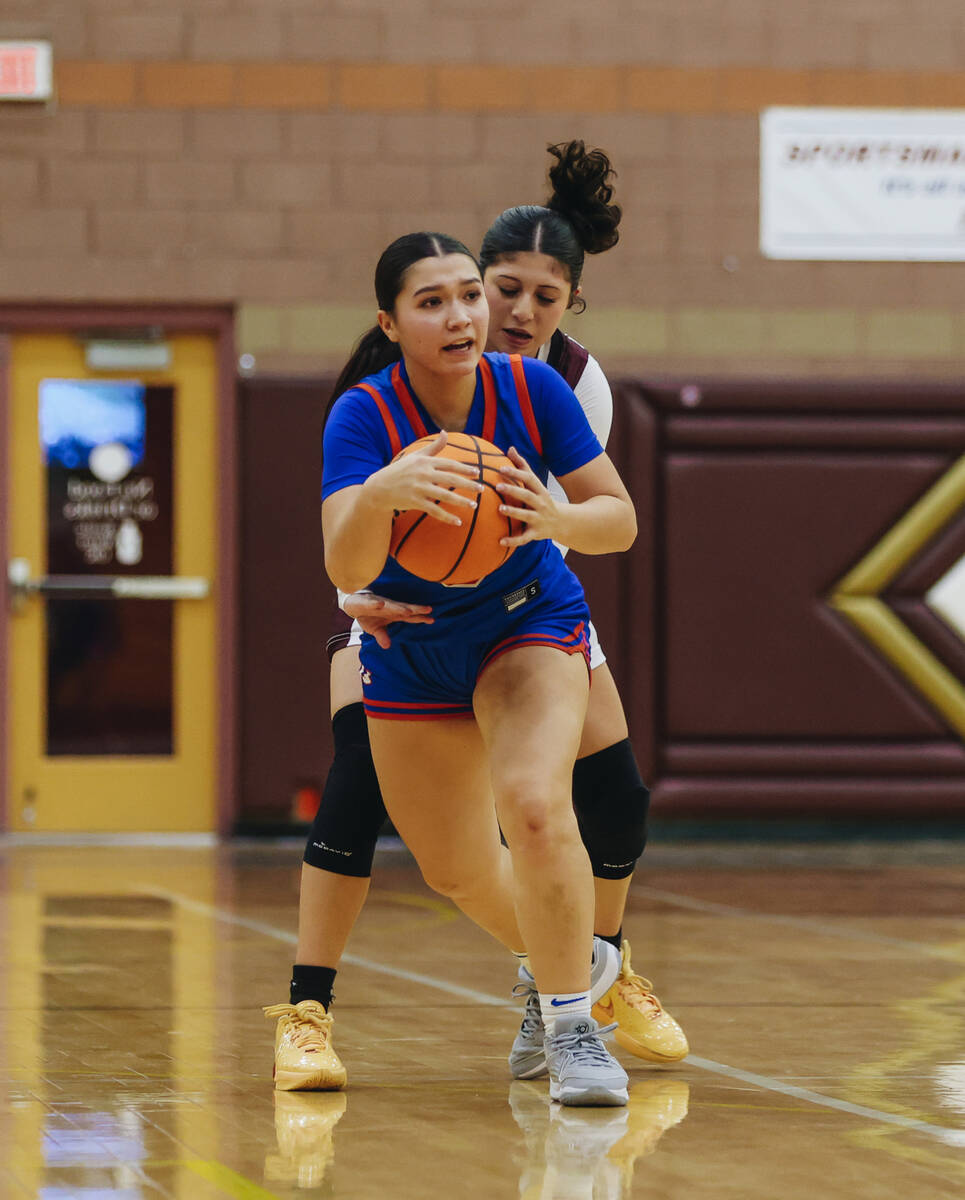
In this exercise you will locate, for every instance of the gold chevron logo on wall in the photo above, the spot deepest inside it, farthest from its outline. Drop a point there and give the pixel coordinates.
(857, 596)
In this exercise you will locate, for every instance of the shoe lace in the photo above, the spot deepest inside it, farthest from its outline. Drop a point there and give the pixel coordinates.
(307, 1023)
(532, 1014)
(636, 991)
(587, 1046)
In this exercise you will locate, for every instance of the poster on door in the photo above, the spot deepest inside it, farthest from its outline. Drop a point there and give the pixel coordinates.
(107, 448)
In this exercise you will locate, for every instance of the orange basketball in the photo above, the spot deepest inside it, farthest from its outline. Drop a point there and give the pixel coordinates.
(458, 555)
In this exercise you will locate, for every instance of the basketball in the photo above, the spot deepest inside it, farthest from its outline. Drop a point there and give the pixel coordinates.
(457, 555)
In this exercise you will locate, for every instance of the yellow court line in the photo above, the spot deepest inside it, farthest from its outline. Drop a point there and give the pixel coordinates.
(141, 923)
(873, 1139)
(778, 1108)
(230, 1182)
(936, 1027)
(441, 908)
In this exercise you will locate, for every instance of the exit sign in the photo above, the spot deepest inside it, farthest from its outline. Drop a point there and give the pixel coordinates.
(26, 71)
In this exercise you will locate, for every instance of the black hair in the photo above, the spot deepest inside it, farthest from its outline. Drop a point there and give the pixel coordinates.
(373, 350)
(577, 219)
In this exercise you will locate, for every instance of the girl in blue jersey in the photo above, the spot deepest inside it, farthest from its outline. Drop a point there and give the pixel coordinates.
(510, 654)
(533, 262)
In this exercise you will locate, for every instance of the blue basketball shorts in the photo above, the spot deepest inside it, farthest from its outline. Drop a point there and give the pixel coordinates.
(433, 679)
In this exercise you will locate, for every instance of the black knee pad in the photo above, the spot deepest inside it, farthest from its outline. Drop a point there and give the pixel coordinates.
(346, 827)
(611, 802)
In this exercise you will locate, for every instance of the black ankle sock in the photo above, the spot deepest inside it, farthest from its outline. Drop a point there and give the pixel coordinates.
(312, 983)
(615, 939)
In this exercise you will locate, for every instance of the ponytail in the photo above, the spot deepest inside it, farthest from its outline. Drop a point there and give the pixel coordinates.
(582, 193)
(578, 218)
(372, 352)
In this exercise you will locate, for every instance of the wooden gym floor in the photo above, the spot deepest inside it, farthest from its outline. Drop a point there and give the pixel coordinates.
(822, 989)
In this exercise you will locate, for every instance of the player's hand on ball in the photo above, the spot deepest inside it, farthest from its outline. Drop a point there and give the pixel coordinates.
(423, 480)
(374, 613)
(525, 499)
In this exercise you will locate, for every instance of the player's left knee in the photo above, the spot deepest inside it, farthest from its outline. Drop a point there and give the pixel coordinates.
(527, 805)
(611, 802)
(541, 829)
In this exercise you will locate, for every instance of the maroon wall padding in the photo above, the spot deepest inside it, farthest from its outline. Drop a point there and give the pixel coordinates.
(746, 693)
(754, 541)
(285, 735)
(768, 702)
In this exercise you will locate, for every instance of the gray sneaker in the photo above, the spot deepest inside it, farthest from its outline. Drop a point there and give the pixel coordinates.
(582, 1070)
(527, 1059)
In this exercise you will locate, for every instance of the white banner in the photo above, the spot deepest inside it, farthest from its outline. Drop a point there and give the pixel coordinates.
(863, 184)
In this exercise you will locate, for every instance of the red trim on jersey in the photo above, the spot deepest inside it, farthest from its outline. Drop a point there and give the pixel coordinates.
(574, 643)
(451, 715)
(408, 404)
(390, 427)
(525, 403)
(489, 394)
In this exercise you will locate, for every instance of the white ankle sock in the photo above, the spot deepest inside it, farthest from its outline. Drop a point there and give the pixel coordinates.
(559, 1004)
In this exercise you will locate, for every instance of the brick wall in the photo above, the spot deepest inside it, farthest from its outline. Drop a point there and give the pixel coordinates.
(264, 151)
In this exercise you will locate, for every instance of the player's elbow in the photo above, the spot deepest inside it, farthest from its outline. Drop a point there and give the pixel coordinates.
(346, 575)
(626, 527)
(348, 583)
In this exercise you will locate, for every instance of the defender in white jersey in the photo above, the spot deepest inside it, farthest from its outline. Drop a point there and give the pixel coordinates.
(533, 259)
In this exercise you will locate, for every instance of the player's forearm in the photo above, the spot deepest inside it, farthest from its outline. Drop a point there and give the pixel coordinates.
(600, 525)
(357, 541)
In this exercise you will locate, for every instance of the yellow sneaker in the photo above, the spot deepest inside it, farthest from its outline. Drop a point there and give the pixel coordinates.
(304, 1128)
(643, 1027)
(654, 1106)
(304, 1058)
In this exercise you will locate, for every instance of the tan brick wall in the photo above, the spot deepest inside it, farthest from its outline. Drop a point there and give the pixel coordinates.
(264, 151)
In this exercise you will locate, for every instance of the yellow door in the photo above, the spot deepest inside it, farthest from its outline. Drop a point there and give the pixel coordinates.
(112, 682)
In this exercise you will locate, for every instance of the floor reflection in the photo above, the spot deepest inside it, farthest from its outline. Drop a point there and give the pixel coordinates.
(90, 1156)
(590, 1153)
(305, 1128)
(135, 1062)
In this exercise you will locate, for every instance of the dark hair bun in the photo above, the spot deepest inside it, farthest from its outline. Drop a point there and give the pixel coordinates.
(582, 194)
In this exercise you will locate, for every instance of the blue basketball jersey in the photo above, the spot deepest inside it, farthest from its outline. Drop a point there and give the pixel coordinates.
(518, 402)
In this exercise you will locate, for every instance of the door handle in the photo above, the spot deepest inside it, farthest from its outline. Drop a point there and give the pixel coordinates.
(134, 587)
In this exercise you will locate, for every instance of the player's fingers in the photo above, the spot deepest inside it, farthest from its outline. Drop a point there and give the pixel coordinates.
(450, 496)
(436, 446)
(461, 474)
(395, 611)
(513, 478)
(512, 492)
(513, 472)
(520, 539)
(519, 463)
(438, 513)
(370, 624)
(525, 515)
